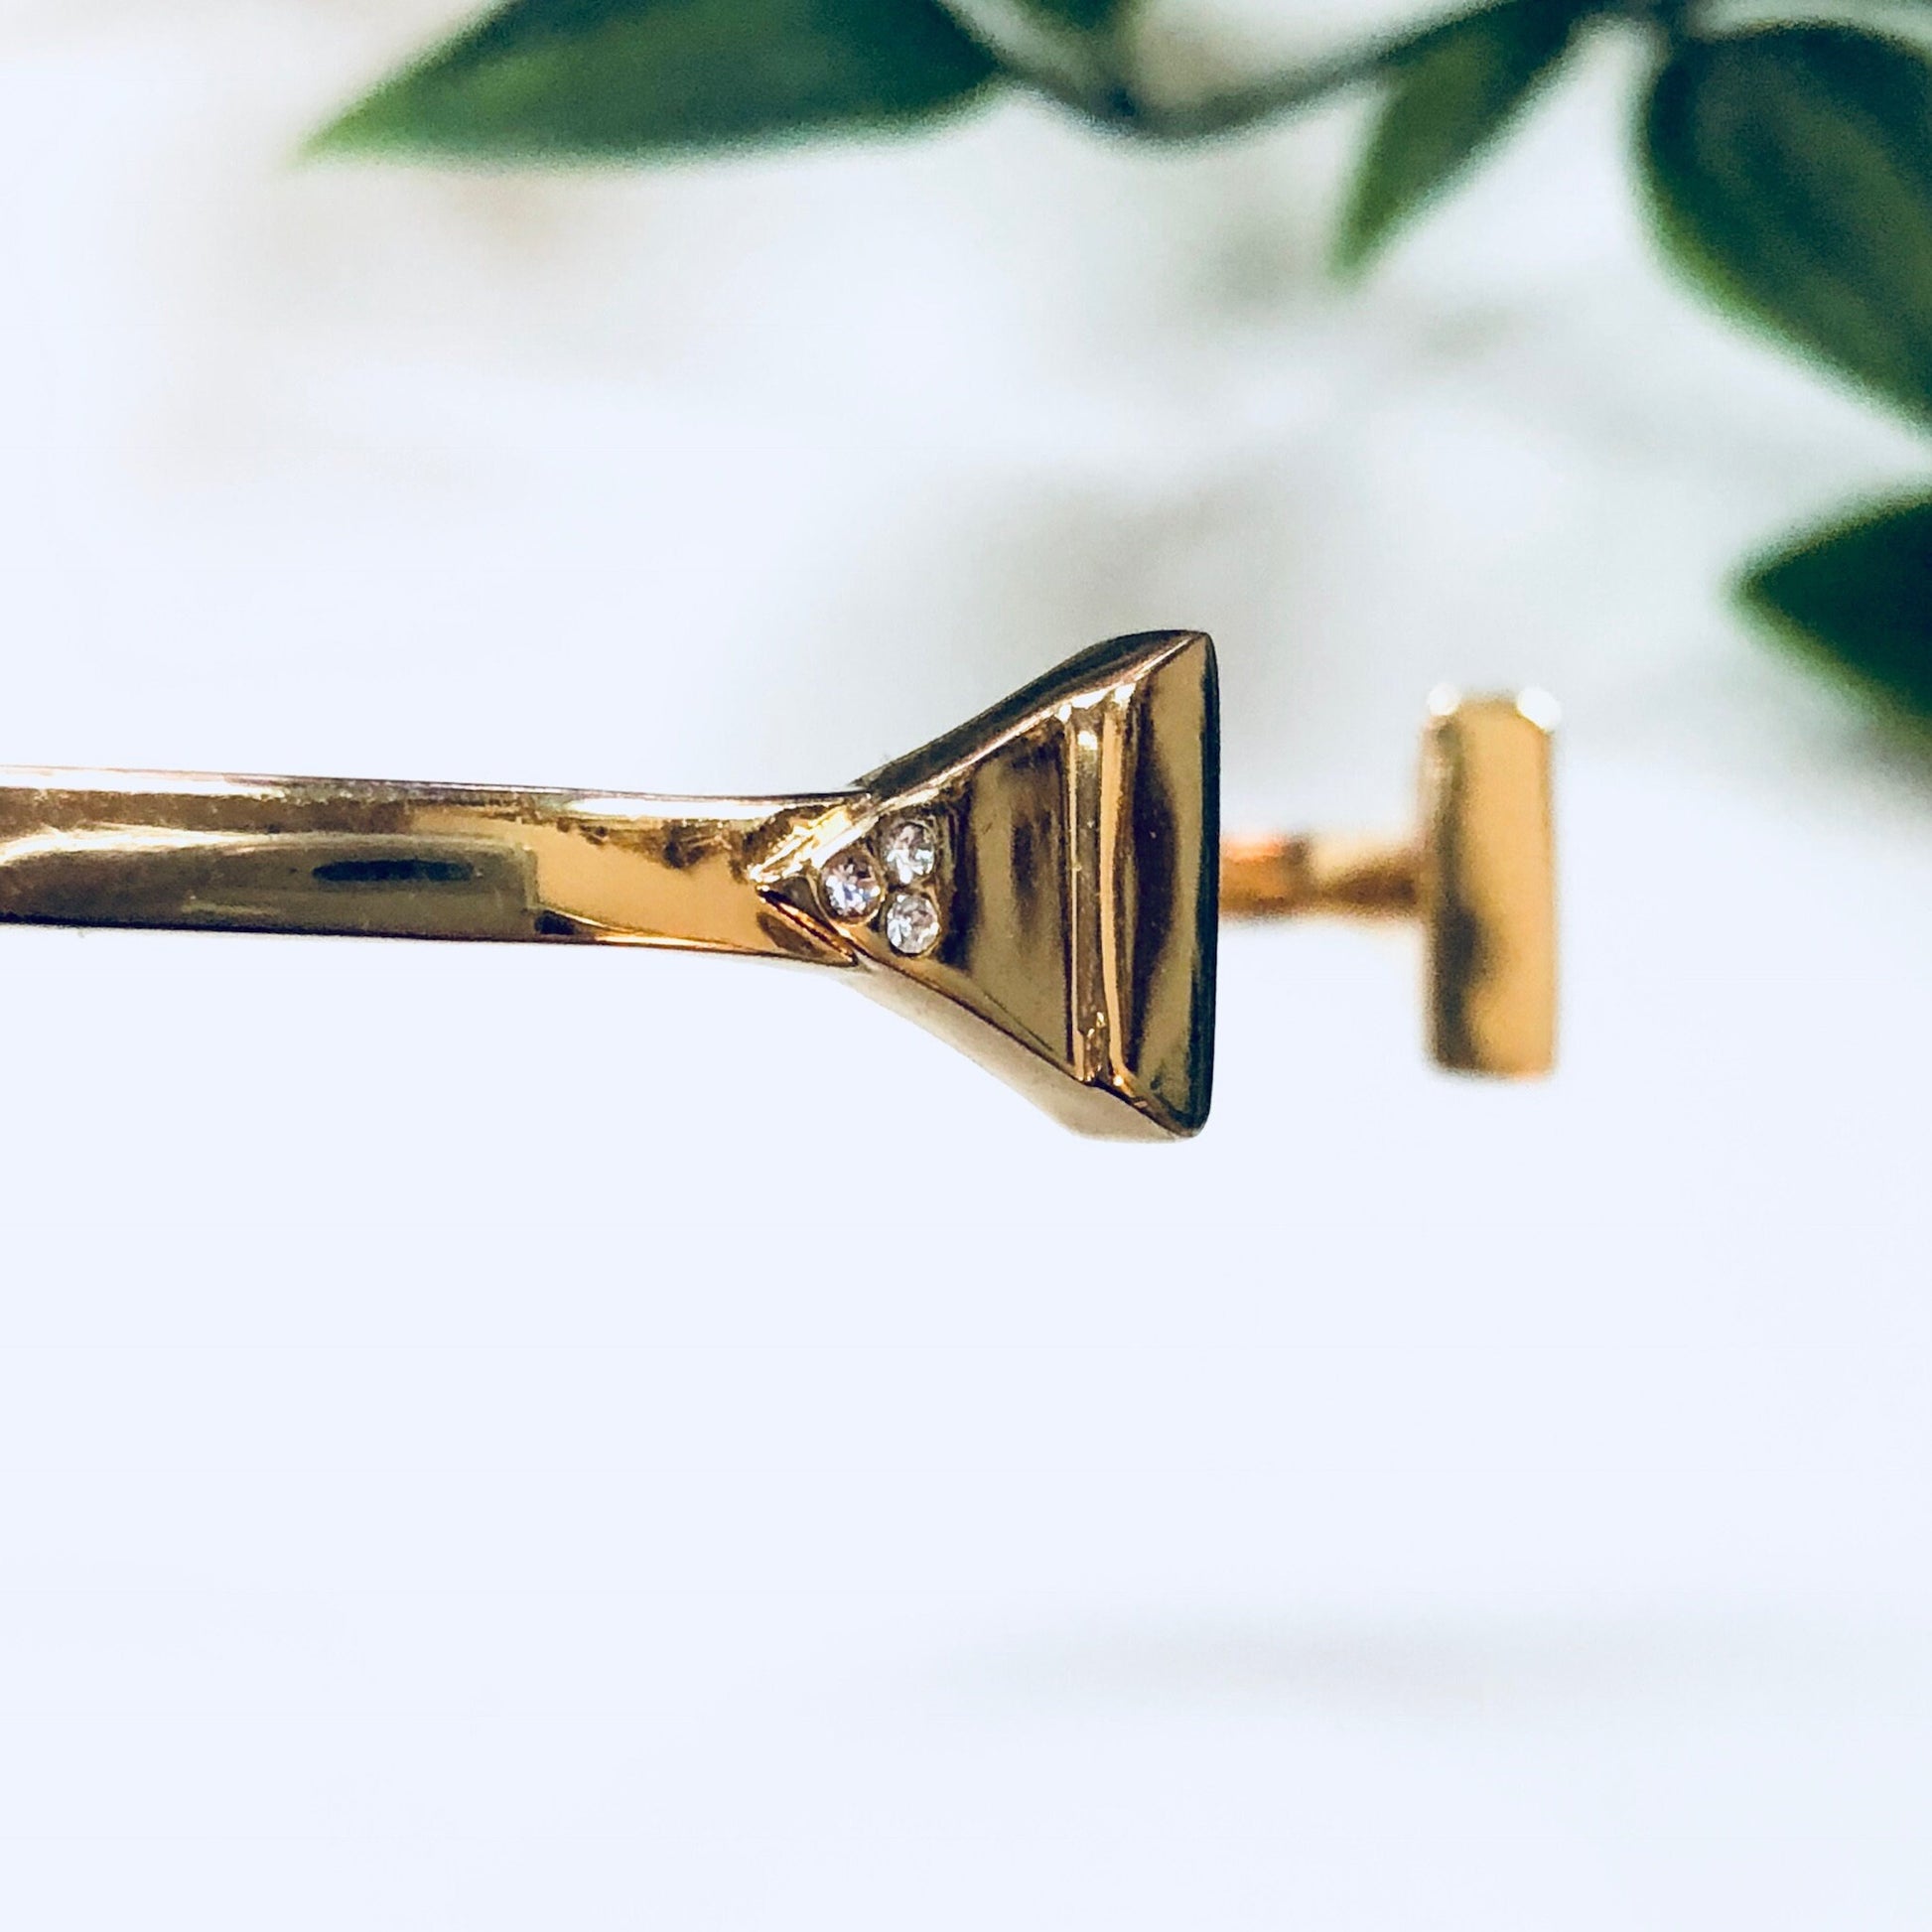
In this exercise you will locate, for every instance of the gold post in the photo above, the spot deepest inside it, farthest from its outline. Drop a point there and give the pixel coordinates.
(1481, 878)
(1317, 873)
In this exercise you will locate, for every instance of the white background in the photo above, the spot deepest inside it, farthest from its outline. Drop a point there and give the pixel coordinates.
(534, 1437)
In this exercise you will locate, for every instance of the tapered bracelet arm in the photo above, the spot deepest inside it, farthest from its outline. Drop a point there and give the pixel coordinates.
(407, 860)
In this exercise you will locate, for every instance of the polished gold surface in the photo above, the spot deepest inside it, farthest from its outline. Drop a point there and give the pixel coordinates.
(1040, 886)
(404, 861)
(1488, 884)
(1080, 961)
(1283, 877)
(1063, 929)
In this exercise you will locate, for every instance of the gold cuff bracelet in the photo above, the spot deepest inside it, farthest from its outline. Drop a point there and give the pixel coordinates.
(1040, 886)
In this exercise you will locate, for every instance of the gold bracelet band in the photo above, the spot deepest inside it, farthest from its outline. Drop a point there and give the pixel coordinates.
(1040, 884)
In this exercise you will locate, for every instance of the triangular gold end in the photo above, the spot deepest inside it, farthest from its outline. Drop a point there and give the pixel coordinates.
(1040, 886)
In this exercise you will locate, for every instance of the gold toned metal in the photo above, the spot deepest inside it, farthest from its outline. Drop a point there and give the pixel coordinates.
(1056, 917)
(1480, 878)
(400, 861)
(1488, 884)
(1040, 884)
(1282, 877)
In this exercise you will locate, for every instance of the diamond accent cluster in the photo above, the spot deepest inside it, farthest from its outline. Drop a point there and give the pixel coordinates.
(853, 883)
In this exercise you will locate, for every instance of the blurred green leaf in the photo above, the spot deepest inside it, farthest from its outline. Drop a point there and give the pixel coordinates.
(1790, 172)
(602, 79)
(1453, 91)
(1860, 592)
(1083, 16)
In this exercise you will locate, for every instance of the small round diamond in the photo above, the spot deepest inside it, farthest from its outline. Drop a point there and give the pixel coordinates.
(852, 885)
(911, 924)
(911, 850)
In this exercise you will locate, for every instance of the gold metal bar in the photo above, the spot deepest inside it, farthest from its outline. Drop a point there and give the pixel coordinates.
(410, 861)
(1315, 872)
(1489, 885)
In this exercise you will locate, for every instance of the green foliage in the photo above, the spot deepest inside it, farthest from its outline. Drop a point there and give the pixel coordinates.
(1790, 169)
(1451, 93)
(1861, 591)
(1083, 16)
(634, 79)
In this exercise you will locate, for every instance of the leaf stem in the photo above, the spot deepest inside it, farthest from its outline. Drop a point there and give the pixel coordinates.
(1120, 105)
